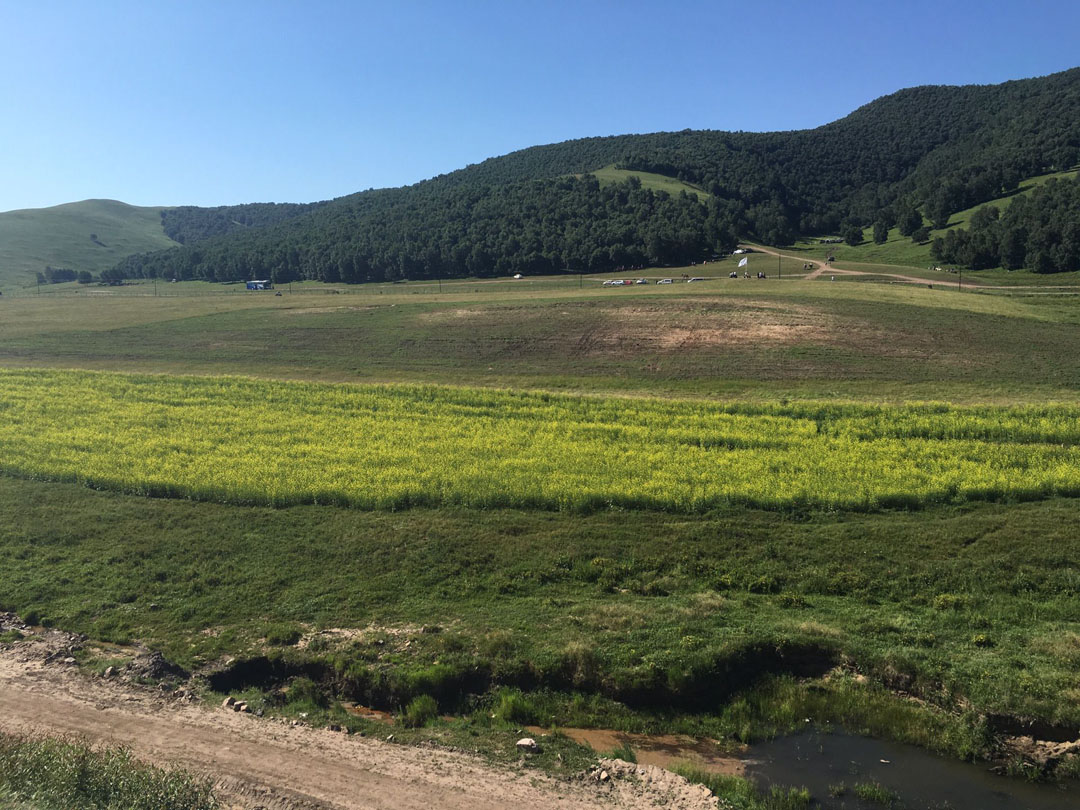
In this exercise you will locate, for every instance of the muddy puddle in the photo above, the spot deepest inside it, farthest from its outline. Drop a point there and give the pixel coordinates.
(367, 713)
(661, 750)
(836, 766)
(833, 766)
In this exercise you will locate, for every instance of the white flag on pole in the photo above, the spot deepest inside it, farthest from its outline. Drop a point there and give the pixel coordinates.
(743, 261)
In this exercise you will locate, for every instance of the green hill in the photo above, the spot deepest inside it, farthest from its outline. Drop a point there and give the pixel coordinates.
(901, 250)
(90, 235)
(575, 205)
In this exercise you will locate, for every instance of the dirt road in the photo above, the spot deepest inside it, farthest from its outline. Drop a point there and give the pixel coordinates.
(264, 763)
(820, 268)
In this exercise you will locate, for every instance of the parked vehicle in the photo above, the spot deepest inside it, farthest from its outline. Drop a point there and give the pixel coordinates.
(665, 281)
(695, 278)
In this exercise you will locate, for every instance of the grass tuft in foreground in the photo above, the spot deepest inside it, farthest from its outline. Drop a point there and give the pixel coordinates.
(50, 774)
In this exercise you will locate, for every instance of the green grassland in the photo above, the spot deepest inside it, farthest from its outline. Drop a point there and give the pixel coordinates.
(609, 175)
(749, 339)
(718, 622)
(901, 250)
(972, 603)
(32, 239)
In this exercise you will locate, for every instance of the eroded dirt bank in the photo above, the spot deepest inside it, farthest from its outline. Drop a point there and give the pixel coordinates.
(263, 763)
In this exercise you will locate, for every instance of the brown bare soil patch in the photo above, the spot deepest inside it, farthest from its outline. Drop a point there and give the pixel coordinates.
(659, 750)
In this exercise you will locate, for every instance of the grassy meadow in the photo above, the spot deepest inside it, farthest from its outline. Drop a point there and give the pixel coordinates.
(609, 175)
(714, 508)
(901, 250)
(60, 236)
(751, 340)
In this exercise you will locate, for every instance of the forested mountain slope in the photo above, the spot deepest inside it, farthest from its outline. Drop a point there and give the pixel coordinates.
(187, 224)
(940, 149)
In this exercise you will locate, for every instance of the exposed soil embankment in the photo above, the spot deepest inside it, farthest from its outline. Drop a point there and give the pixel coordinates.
(702, 685)
(262, 763)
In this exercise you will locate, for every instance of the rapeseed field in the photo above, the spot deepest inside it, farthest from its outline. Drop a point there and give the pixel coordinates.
(246, 441)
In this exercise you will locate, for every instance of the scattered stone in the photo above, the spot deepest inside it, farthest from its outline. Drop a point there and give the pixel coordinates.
(390, 738)
(528, 745)
(153, 666)
(69, 660)
(241, 706)
(228, 702)
(604, 776)
(109, 672)
(334, 727)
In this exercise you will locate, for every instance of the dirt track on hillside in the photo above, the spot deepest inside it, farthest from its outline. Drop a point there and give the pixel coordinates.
(264, 763)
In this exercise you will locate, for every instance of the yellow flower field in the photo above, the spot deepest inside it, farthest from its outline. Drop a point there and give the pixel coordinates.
(390, 447)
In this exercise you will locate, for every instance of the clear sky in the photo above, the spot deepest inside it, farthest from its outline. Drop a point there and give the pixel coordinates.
(214, 102)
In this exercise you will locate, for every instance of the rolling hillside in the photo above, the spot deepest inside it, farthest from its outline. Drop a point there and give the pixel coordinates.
(63, 236)
(94, 235)
(574, 206)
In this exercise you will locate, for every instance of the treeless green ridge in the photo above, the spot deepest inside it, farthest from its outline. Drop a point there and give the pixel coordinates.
(657, 182)
(33, 238)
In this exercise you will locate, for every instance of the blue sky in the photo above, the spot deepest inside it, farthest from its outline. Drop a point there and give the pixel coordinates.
(230, 101)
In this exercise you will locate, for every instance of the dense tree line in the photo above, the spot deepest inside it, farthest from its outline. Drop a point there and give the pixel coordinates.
(190, 223)
(1040, 231)
(932, 149)
(544, 226)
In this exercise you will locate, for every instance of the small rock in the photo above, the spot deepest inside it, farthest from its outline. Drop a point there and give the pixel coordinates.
(604, 776)
(69, 660)
(228, 702)
(390, 738)
(527, 744)
(334, 727)
(109, 672)
(242, 707)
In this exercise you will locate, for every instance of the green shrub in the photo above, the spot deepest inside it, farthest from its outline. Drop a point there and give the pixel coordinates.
(420, 711)
(623, 752)
(514, 707)
(283, 635)
(305, 692)
(875, 792)
(949, 601)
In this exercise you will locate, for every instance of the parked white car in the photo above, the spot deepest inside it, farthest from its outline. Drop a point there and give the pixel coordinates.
(665, 281)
